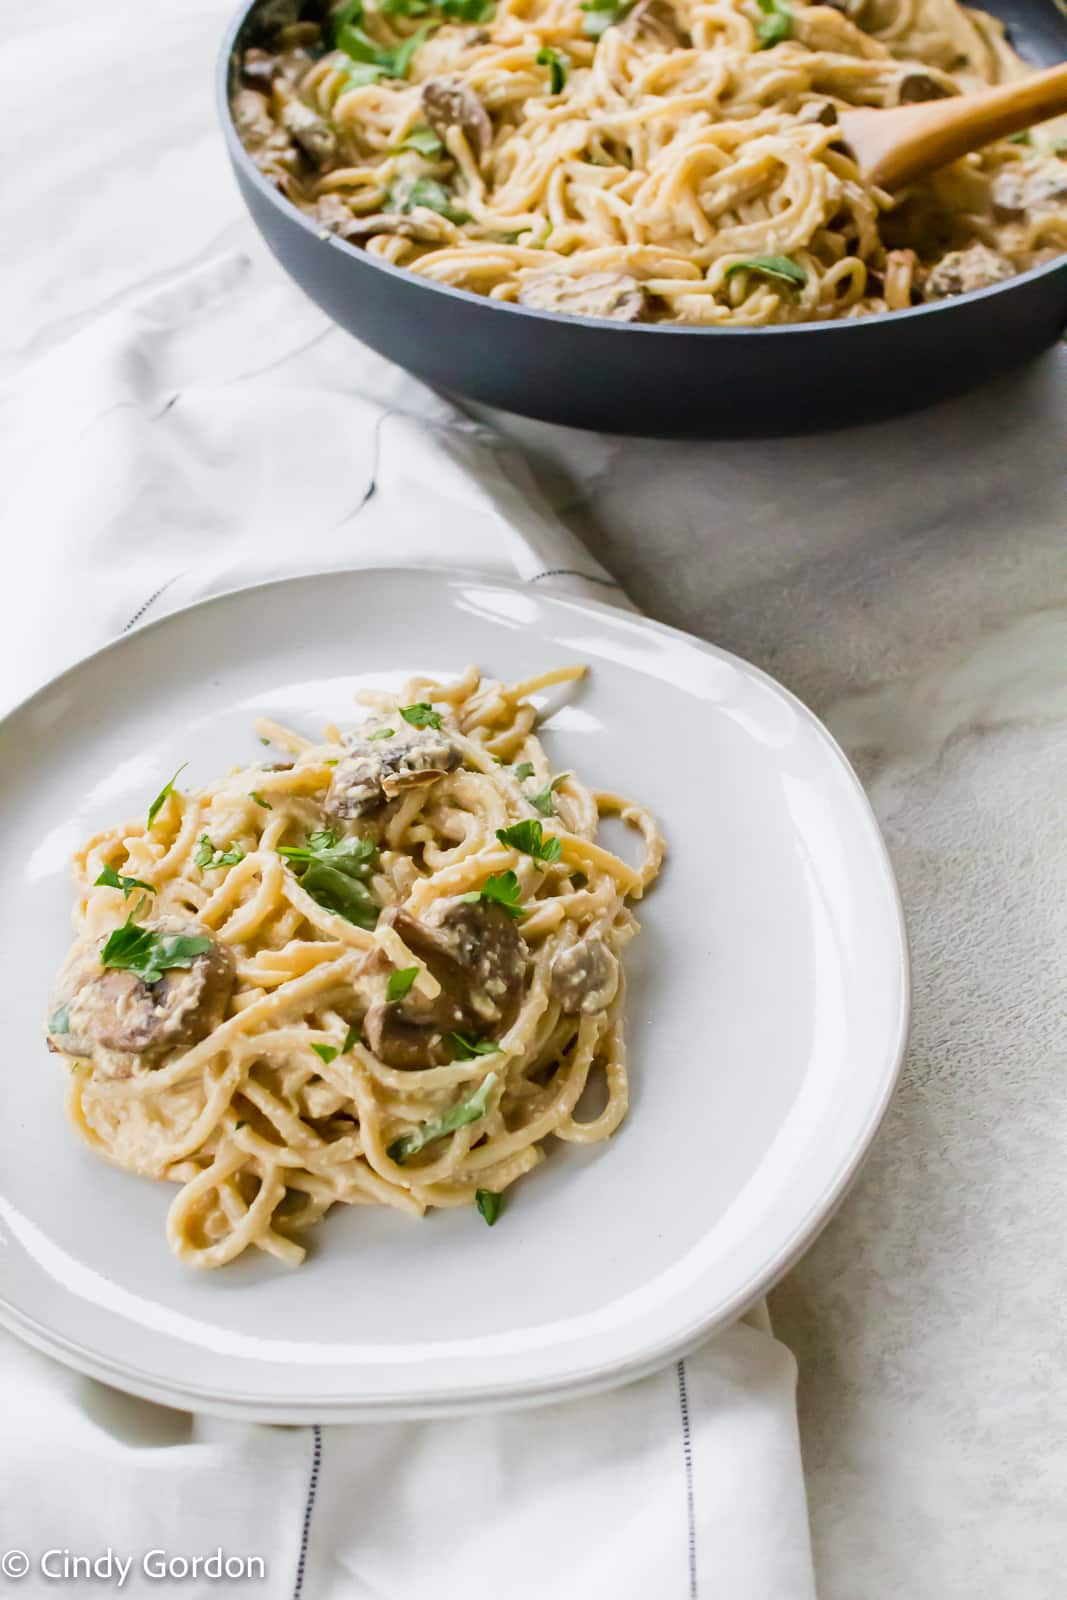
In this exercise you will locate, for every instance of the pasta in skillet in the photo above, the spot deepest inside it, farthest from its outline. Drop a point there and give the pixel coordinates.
(664, 160)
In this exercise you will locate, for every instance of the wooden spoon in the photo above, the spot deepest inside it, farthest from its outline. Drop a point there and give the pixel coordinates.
(895, 147)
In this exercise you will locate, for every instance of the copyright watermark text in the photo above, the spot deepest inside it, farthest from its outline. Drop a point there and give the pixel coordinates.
(113, 1568)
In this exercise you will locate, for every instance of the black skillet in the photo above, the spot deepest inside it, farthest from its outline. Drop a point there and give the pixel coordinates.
(667, 381)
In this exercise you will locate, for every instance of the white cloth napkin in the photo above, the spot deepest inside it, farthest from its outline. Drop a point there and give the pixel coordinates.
(215, 434)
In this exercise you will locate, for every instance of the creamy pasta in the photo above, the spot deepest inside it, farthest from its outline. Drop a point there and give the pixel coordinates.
(669, 160)
(382, 970)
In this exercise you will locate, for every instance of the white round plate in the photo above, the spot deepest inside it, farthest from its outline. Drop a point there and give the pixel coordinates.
(767, 1013)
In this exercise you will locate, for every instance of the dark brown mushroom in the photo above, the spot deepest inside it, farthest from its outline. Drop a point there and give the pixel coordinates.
(656, 22)
(420, 223)
(823, 112)
(960, 271)
(448, 104)
(614, 295)
(1018, 189)
(914, 86)
(310, 131)
(477, 955)
(584, 978)
(252, 118)
(378, 769)
(116, 1019)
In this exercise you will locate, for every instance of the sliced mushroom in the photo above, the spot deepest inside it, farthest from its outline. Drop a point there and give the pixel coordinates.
(477, 955)
(420, 223)
(260, 67)
(960, 271)
(116, 1019)
(656, 22)
(252, 118)
(310, 131)
(333, 213)
(914, 86)
(448, 104)
(594, 294)
(823, 112)
(378, 769)
(1018, 189)
(585, 977)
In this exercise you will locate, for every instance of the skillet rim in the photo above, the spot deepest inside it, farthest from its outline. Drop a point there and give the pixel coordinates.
(240, 158)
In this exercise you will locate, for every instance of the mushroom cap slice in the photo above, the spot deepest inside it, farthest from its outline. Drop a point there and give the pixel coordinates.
(449, 104)
(614, 295)
(376, 770)
(584, 978)
(477, 955)
(118, 1021)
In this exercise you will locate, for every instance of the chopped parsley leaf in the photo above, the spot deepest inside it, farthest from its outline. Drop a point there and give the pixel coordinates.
(114, 880)
(400, 983)
(334, 872)
(489, 1203)
(325, 1052)
(405, 195)
(467, 1111)
(382, 733)
(557, 64)
(147, 954)
(776, 23)
(542, 801)
(529, 837)
(352, 1037)
(421, 714)
(372, 61)
(425, 142)
(600, 15)
(780, 268)
(167, 790)
(59, 1021)
(524, 770)
(467, 1047)
(258, 798)
(500, 889)
(211, 858)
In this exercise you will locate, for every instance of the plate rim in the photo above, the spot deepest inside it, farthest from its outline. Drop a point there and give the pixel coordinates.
(474, 1399)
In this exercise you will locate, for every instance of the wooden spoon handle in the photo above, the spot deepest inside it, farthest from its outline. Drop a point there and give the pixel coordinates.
(895, 147)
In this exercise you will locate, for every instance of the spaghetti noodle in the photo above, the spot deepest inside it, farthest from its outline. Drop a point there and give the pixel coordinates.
(382, 971)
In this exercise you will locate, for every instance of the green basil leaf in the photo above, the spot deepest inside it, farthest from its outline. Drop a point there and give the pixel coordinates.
(352, 1037)
(467, 1047)
(258, 798)
(148, 954)
(528, 837)
(501, 889)
(467, 1111)
(557, 64)
(400, 983)
(342, 15)
(780, 268)
(404, 196)
(489, 1203)
(114, 880)
(325, 1052)
(167, 789)
(524, 770)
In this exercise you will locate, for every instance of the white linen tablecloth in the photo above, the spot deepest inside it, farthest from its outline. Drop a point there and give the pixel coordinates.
(213, 434)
